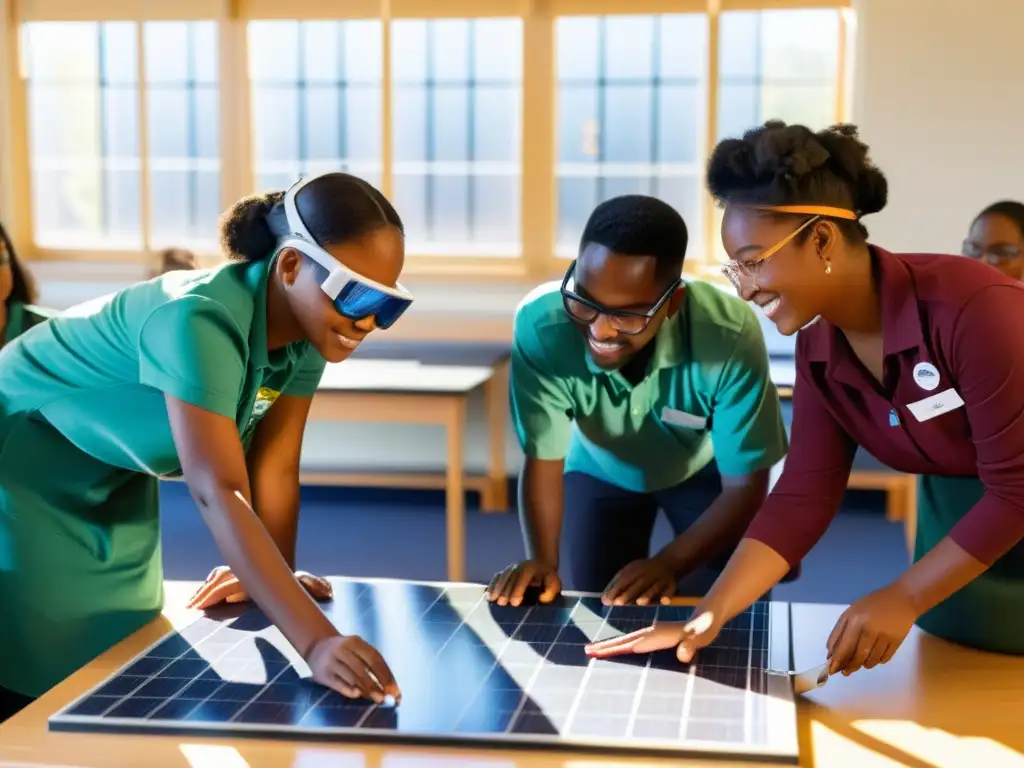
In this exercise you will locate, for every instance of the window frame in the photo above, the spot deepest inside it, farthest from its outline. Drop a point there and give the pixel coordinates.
(538, 259)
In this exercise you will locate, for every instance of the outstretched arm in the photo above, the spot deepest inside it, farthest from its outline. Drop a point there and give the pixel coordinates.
(214, 466)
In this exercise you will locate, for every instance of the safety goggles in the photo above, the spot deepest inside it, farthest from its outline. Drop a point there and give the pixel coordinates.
(354, 296)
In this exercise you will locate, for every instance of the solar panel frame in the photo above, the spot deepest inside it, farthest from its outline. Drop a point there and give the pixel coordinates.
(775, 718)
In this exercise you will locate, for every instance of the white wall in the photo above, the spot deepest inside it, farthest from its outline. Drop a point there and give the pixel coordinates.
(939, 97)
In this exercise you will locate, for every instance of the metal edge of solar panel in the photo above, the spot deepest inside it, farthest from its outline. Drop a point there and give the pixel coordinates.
(780, 710)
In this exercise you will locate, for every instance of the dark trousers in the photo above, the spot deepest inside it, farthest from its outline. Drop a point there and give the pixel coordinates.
(11, 703)
(606, 527)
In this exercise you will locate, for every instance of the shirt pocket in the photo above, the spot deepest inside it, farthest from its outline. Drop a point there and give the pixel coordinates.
(688, 430)
(683, 420)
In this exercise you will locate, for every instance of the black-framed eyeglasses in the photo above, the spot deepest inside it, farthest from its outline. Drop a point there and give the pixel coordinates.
(997, 254)
(585, 311)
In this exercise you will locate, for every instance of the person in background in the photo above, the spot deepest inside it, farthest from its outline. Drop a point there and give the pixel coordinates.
(208, 375)
(173, 259)
(997, 238)
(633, 391)
(914, 357)
(18, 312)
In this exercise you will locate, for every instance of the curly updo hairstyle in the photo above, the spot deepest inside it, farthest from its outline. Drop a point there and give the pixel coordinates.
(336, 208)
(780, 164)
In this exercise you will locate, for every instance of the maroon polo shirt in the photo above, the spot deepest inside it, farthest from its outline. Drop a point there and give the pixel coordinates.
(965, 319)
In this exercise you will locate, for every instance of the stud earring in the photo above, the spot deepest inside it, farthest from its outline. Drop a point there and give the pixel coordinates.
(828, 268)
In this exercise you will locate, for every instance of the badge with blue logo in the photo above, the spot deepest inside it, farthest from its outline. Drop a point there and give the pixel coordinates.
(894, 418)
(926, 376)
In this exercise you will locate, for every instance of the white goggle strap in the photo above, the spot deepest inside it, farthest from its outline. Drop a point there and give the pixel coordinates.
(295, 224)
(337, 276)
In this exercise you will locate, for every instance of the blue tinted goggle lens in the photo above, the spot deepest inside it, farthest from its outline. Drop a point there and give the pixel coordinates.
(357, 301)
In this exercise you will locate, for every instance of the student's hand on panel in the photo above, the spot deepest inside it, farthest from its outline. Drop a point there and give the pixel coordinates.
(643, 582)
(222, 586)
(688, 637)
(508, 586)
(353, 668)
(871, 630)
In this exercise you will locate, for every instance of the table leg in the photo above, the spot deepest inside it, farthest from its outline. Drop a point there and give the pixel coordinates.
(495, 495)
(455, 490)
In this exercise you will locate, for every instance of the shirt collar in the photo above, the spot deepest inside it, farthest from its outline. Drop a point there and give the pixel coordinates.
(901, 319)
(901, 314)
(257, 278)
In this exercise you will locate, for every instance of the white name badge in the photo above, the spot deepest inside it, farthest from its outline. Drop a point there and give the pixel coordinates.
(682, 419)
(936, 405)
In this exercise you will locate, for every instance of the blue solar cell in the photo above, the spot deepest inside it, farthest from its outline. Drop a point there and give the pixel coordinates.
(135, 707)
(215, 711)
(121, 686)
(467, 668)
(162, 687)
(271, 714)
(176, 709)
(93, 706)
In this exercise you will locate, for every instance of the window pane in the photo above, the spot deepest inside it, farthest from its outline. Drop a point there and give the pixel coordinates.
(85, 171)
(183, 131)
(631, 96)
(777, 65)
(316, 99)
(457, 111)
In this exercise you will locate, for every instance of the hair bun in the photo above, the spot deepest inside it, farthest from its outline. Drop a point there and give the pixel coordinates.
(245, 233)
(788, 151)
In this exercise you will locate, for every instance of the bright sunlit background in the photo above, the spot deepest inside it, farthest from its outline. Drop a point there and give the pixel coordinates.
(127, 127)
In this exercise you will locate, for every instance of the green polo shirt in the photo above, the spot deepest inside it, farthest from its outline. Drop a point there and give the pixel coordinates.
(22, 317)
(98, 372)
(707, 394)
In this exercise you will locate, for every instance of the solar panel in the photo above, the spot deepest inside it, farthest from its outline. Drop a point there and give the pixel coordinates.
(470, 672)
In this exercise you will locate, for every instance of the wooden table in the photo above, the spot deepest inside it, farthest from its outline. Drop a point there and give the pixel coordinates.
(410, 392)
(933, 706)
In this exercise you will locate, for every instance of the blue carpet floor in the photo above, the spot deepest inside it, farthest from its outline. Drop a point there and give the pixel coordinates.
(401, 534)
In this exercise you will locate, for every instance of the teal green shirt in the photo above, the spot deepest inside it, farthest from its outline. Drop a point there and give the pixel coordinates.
(98, 372)
(22, 317)
(707, 394)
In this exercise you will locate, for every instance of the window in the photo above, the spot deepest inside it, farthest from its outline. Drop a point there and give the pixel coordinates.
(84, 134)
(183, 116)
(122, 116)
(316, 99)
(777, 64)
(456, 133)
(631, 115)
